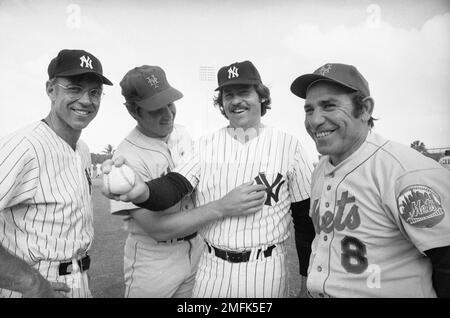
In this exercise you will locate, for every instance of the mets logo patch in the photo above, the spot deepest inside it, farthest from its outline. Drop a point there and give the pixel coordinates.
(420, 206)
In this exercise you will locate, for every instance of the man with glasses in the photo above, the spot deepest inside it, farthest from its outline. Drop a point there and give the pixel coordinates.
(46, 221)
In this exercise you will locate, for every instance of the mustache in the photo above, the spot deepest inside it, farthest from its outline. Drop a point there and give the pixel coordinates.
(232, 108)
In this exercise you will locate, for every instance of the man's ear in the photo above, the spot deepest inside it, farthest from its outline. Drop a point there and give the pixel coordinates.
(50, 89)
(133, 111)
(369, 104)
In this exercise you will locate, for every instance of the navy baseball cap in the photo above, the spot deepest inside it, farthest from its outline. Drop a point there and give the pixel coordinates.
(342, 74)
(76, 62)
(148, 87)
(238, 73)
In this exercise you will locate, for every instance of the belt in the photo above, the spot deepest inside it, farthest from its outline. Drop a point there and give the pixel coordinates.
(238, 257)
(186, 238)
(67, 268)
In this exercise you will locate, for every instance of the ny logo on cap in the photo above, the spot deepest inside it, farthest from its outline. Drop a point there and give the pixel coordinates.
(86, 61)
(153, 81)
(324, 69)
(233, 72)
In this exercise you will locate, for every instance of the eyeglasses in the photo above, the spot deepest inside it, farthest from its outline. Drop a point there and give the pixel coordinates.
(76, 92)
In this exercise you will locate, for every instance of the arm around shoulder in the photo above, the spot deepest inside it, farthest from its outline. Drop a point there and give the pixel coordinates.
(244, 199)
(167, 226)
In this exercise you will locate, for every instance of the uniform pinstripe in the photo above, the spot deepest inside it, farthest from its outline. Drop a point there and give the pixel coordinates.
(364, 246)
(45, 202)
(221, 163)
(152, 269)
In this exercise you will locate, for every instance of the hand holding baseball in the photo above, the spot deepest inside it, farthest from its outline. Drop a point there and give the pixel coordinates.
(119, 180)
(122, 183)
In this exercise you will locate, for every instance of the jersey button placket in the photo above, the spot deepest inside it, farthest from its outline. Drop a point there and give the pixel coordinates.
(320, 269)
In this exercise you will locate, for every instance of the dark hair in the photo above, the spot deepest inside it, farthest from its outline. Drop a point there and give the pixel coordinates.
(358, 106)
(263, 93)
(52, 81)
(132, 107)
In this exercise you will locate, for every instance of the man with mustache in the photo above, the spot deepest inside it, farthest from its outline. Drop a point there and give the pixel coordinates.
(245, 256)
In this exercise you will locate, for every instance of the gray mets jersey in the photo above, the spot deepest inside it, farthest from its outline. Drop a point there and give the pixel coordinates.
(375, 214)
(151, 268)
(45, 201)
(222, 162)
(151, 158)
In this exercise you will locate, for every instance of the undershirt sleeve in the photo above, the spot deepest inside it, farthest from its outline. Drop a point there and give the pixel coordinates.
(304, 233)
(166, 191)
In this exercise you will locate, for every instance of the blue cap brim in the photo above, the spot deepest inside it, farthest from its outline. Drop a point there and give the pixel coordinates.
(239, 82)
(300, 85)
(160, 99)
(81, 72)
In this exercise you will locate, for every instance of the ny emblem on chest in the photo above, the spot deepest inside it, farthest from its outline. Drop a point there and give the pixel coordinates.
(275, 186)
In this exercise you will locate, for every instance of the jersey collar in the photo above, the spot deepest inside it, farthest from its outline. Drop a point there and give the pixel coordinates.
(365, 151)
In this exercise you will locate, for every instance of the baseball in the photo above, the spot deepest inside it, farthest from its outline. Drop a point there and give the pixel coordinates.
(120, 180)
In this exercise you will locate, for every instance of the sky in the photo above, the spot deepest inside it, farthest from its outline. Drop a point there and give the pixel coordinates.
(400, 46)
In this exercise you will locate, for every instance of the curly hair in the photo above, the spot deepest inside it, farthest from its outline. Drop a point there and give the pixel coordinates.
(132, 107)
(263, 93)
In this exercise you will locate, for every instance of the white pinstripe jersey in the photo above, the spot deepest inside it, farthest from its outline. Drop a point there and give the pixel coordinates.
(220, 163)
(152, 158)
(375, 214)
(45, 196)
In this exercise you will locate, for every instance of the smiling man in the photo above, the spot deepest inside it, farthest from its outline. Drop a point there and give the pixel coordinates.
(380, 209)
(245, 255)
(159, 260)
(46, 216)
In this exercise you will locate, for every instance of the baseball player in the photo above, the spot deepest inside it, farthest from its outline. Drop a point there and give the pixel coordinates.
(380, 209)
(46, 223)
(156, 262)
(245, 256)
